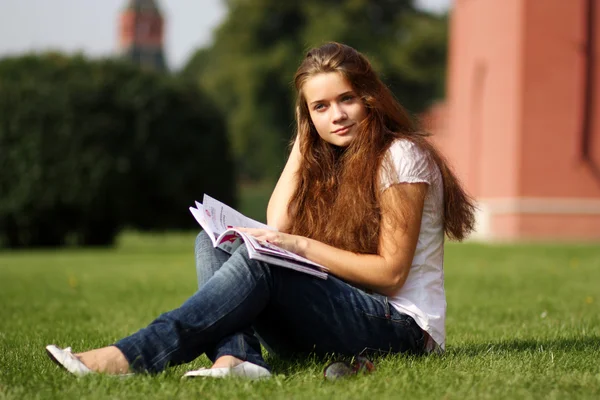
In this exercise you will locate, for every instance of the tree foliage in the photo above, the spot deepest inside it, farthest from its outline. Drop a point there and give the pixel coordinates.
(249, 68)
(87, 147)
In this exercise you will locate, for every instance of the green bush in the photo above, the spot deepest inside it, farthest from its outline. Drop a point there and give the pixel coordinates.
(88, 147)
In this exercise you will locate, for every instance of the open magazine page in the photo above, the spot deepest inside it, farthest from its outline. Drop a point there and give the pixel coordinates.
(288, 264)
(198, 213)
(219, 220)
(308, 267)
(269, 248)
(227, 241)
(230, 240)
(221, 217)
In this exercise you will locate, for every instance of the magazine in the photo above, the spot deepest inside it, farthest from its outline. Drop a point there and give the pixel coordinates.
(219, 220)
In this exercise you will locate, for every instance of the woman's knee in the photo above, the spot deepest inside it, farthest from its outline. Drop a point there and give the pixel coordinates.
(206, 261)
(241, 253)
(241, 258)
(202, 241)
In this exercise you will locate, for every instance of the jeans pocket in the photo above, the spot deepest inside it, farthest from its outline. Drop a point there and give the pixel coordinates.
(400, 318)
(376, 312)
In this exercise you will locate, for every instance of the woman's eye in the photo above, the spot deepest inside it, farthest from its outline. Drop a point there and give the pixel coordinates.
(347, 98)
(319, 107)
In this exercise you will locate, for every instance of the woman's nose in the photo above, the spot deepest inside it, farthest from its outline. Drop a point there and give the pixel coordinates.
(338, 113)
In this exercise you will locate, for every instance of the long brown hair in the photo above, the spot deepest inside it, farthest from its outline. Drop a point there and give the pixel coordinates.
(337, 197)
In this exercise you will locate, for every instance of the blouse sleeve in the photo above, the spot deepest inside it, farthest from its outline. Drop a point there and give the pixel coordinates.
(406, 163)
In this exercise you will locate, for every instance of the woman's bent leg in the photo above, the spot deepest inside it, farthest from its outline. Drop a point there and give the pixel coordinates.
(208, 258)
(324, 316)
(243, 344)
(308, 315)
(227, 303)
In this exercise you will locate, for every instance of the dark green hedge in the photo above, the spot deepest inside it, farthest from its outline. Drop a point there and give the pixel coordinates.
(89, 147)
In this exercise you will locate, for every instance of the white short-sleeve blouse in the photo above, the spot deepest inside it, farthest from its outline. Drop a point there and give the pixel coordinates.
(422, 296)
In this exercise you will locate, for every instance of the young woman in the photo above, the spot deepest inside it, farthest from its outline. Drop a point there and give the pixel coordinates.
(363, 193)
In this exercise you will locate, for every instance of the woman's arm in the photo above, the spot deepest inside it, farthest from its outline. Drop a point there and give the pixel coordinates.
(277, 210)
(384, 273)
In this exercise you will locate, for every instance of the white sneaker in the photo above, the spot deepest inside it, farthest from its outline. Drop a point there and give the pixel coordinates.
(244, 370)
(67, 360)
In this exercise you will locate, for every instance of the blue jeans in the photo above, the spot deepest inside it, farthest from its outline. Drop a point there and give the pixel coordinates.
(293, 313)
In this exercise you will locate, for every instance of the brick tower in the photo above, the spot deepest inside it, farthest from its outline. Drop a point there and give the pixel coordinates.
(141, 29)
(523, 115)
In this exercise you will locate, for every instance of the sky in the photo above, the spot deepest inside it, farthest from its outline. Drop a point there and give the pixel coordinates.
(90, 26)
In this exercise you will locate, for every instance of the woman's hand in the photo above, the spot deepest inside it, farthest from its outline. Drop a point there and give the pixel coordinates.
(384, 272)
(292, 243)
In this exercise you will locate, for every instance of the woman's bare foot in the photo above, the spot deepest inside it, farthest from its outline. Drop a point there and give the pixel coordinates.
(108, 360)
(226, 362)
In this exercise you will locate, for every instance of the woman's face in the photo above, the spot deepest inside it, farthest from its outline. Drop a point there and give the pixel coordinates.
(335, 109)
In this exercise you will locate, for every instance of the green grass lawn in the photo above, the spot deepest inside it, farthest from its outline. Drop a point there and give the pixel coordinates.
(523, 322)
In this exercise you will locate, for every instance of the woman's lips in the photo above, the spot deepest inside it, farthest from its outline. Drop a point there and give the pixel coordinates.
(342, 131)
